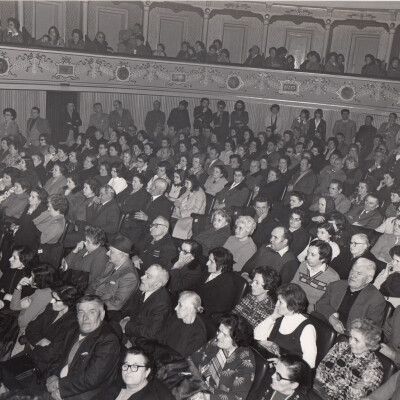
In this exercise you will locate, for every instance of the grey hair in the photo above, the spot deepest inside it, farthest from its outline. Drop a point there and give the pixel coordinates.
(195, 300)
(163, 274)
(248, 222)
(109, 190)
(368, 265)
(370, 330)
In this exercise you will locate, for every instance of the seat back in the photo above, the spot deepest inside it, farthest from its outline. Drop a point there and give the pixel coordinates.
(326, 337)
(199, 223)
(121, 220)
(210, 201)
(261, 366)
(389, 367)
(389, 310)
(241, 287)
(283, 192)
(249, 199)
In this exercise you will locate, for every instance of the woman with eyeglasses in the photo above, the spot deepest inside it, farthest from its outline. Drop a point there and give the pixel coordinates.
(298, 219)
(137, 381)
(9, 127)
(290, 380)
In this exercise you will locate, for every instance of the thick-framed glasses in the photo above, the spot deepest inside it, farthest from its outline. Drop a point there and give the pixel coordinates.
(279, 377)
(185, 252)
(133, 367)
(155, 225)
(355, 243)
(55, 298)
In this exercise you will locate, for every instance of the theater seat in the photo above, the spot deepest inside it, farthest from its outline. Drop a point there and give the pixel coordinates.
(389, 310)
(260, 373)
(241, 287)
(389, 367)
(326, 337)
(210, 201)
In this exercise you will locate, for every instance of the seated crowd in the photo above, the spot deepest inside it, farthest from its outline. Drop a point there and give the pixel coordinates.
(173, 262)
(132, 42)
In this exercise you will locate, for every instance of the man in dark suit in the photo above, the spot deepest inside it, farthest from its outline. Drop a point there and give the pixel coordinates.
(346, 300)
(265, 222)
(157, 247)
(303, 181)
(202, 114)
(233, 194)
(158, 206)
(90, 355)
(212, 160)
(367, 215)
(121, 118)
(151, 306)
(36, 126)
(119, 280)
(254, 59)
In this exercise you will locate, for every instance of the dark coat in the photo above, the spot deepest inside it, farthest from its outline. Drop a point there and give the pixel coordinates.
(233, 197)
(301, 238)
(221, 125)
(160, 252)
(179, 118)
(255, 62)
(133, 202)
(104, 217)
(262, 233)
(306, 184)
(69, 123)
(321, 129)
(211, 238)
(217, 295)
(371, 220)
(185, 278)
(148, 318)
(117, 120)
(202, 119)
(94, 366)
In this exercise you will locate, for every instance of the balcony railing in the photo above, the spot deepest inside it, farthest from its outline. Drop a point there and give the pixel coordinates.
(56, 68)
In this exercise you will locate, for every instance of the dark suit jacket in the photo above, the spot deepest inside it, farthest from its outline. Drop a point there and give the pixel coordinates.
(369, 304)
(233, 197)
(160, 252)
(124, 121)
(305, 185)
(262, 233)
(148, 318)
(69, 123)
(94, 366)
(41, 125)
(370, 220)
(105, 217)
(201, 118)
(321, 128)
(131, 203)
(255, 62)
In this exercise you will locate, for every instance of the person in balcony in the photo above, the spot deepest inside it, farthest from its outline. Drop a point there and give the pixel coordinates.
(141, 48)
(183, 52)
(254, 59)
(76, 42)
(55, 39)
(340, 61)
(212, 55)
(99, 45)
(313, 64)
(272, 60)
(224, 57)
(371, 68)
(12, 34)
(201, 53)
(393, 71)
(160, 52)
(331, 64)
(290, 63)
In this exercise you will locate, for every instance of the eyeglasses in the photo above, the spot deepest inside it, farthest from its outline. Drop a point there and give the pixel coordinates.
(185, 252)
(133, 368)
(55, 298)
(355, 243)
(155, 225)
(279, 377)
(295, 219)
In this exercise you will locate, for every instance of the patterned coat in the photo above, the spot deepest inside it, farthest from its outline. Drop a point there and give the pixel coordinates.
(236, 376)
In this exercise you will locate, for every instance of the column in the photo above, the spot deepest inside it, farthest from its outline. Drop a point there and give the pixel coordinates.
(206, 18)
(392, 30)
(145, 25)
(265, 35)
(85, 8)
(20, 12)
(328, 23)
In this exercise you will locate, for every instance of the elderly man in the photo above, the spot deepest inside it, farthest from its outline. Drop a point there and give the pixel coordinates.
(255, 177)
(162, 173)
(386, 242)
(119, 280)
(346, 300)
(367, 215)
(158, 205)
(265, 222)
(151, 306)
(276, 255)
(100, 120)
(157, 247)
(90, 355)
(315, 274)
(35, 127)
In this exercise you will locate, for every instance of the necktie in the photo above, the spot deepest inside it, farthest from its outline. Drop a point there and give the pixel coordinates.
(74, 350)
(141, 301)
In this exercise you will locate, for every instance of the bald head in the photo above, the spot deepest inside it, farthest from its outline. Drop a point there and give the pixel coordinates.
(359, 244)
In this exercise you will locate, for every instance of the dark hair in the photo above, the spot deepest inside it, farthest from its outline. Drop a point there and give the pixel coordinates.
(43, 195)
(12, 173)
(275, 106)
(59, 202)
(25, 255)
(242, 103)
(96, 235)
(306, 112)
(11, 111)
(119, 167)
(45, 275)
(25, 185)
(261, 199)
(324, 248)
(334, 141)
(106, 165)
(94, 185)
(301, 213)
(223, 259)
(299, 195)
(117, 147)
(63, 169)
(69, 295)
(79, 32)
(294, 296)
(221, 103)
(299, 370)
(56, 31)
(148, 359)
(394, 251)
(15, 22)
(240, 330)
(142, 178)
(194, 181)
(287, 234)
(270, 277)
(195, 248)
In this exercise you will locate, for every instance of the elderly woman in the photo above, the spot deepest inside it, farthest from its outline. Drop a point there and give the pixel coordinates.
(192, 201)
(18, 267)
(137, 381)
(12, 159)
(325, 205)
(290, 379)
(217, 287)
(184, 332)
(14, 205)
(363, 189)
(186, 272)
(74, 195)
(228, 352)
(351, 370)
(260, 303)
(288, 330)
(241, 245)
(217, 234)
(104, 175)
(216, 181)
(89, 258)
(51, 223)
(272, 187)
(56, 183)
(117, 182)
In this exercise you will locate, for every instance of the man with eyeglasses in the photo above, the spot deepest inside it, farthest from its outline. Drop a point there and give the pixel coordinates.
(265, 222)
(359, 248)
(346, 300)
(157, 247)
(367, 215)
(89, 356)
(150, 307)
